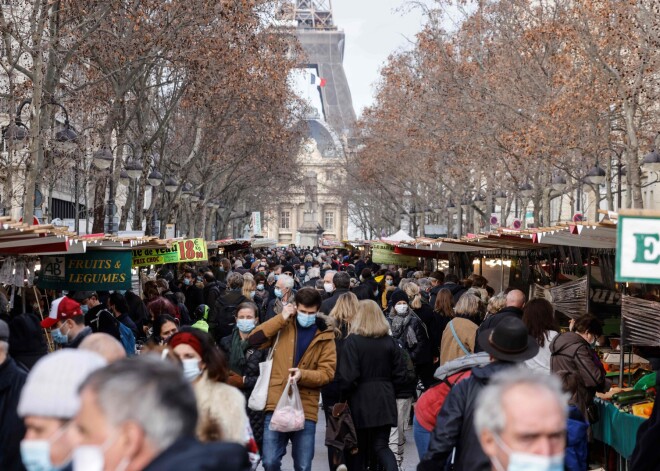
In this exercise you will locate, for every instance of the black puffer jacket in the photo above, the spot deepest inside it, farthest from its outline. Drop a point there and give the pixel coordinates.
(188, 453)
(455, 426)
(12, 379)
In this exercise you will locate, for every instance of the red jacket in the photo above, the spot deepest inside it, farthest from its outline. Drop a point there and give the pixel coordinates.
(429, 404)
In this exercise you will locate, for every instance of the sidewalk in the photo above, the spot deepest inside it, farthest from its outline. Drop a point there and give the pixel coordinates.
(321, 453)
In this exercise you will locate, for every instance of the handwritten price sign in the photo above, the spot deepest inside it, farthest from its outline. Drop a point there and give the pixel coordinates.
(188, 251)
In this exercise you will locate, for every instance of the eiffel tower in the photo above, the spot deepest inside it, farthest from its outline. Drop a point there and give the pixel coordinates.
(323, 44)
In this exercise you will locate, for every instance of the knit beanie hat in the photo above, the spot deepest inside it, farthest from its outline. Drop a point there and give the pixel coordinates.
(398, 295)
(51, 388)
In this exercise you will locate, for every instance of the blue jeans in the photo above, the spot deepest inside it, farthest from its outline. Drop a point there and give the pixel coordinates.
(422, 438)
(302, 446)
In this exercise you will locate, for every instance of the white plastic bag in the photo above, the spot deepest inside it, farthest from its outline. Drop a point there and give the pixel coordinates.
(289, 415)
(259, 395)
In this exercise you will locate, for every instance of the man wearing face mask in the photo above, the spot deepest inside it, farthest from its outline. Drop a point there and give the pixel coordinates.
(193, 293)
(140, 414)
(341, 283)
(521, 421)
(66, 323)
(283, 294)
(48, 403)
(305, 353)
(328, 284)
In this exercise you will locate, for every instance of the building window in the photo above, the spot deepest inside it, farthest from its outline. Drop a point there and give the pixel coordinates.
(285, 220)
(329, 220)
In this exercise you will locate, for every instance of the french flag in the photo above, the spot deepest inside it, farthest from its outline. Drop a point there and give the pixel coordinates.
(318, 81)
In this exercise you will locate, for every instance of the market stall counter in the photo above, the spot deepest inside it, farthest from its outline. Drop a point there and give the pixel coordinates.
(616, 428)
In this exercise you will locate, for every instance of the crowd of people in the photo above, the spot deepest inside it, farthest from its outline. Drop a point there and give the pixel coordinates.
(165, 380)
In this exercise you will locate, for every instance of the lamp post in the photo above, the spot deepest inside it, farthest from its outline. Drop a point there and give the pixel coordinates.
(103, 159)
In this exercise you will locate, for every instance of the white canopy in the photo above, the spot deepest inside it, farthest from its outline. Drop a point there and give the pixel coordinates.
(400, 236)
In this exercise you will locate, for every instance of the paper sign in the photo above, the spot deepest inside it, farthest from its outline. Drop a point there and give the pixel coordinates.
(638, 247)
(188, 250)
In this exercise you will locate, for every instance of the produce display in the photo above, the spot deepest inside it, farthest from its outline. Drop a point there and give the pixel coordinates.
(637, 400)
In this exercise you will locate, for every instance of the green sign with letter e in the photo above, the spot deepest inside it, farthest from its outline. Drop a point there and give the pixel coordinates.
(638, 247)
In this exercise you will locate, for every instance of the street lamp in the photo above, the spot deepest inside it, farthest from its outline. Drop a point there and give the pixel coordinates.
(171, 185)
(102, 158)
(155, 178)
(651, 162)
(195, 197)
(500, 197)
(124, 179)
(133, 169)
(480, 202)
(596, 175)
(186, 191)
(526, 190)
(559, 184)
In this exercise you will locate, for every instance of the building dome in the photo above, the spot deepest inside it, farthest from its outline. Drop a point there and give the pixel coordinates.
(326, 141)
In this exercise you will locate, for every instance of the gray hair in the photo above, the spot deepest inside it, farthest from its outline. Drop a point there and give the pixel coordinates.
(424, 284)
(341, 280)
(235, 281)
(330, 272)
(286, 280)
(489, 414)
(270, 278)
(404, 282)
(147, 391)
(314, 272)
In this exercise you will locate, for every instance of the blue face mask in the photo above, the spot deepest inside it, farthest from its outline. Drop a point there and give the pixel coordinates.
(35, 455)
(122, 292)
(191, 369)
(305, 320)
(277, 277)
(246, 325)
(84, 308)
(260, 287)
(252, 293)
(58, 336)
(278, 293)
(187, 281)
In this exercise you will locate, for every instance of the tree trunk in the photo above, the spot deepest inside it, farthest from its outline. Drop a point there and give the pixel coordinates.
(633, 154)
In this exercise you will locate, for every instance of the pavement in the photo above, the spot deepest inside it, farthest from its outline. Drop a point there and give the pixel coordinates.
(320, 462)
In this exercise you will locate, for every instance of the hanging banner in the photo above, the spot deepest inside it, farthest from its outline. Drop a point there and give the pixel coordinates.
(638, 246)
(90, 271)
(384, 253)
(181, 251)
(256, 223)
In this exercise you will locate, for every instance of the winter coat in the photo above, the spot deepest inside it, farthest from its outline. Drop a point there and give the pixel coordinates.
(456, 291)
(27, 343)
(570, 352)
(455, 425)
(332, 392)
(421, 351)
(253, 357)
(433, 295)
(77, 340)
(275, 305)
(645, 456)
(188, 453)
(194, 297)
(495, 319)
(221, 405)
(12, 430)
(317, 364)
(426, 314)
(371, 370)
(102, 320)
(450, 348)
(329, 304)
(212, 292)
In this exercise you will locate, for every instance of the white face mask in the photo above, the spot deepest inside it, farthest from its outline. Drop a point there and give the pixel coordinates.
(328, 287)
(191, 369)
(519, 461)
(36, 455)
(401, 308)
(92, 457)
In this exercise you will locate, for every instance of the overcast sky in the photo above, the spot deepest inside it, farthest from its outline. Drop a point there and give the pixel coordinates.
(374, 29)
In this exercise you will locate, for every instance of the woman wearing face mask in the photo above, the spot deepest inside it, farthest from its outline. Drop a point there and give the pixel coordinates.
(459, 336)
(388, 286)
(164, 327)
(244, 361)
(47, 417)
(410, 331)
(221, 406)
(573, 351)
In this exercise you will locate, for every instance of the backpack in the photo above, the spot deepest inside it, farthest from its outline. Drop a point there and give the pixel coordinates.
(127, 339)
(223, 314)
(126, 335)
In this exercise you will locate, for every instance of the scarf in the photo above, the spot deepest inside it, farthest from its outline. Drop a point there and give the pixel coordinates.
(237, 359)
(401, 328)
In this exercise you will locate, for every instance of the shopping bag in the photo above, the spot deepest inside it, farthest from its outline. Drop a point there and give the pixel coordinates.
(289, 415)
(340, 430)
(259, 395)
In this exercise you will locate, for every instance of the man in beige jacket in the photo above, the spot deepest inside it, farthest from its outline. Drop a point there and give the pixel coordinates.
(304, 352)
